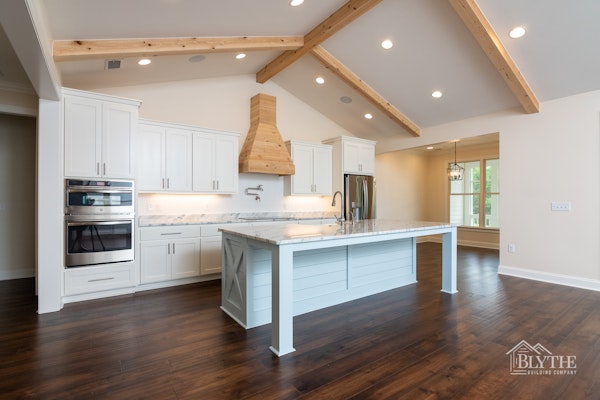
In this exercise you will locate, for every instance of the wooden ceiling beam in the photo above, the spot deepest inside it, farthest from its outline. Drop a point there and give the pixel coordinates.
(484, 34)
(336, 21)
(336, 67)
(69, 50)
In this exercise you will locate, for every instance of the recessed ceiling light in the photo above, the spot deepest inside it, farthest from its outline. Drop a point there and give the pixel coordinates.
(320, 80)
(295, 3)
(436, 94)
(144, 61)
(429, 147)
(239, 56)
(368, 116)
(517, 32)
(387, 44)
(197, 58)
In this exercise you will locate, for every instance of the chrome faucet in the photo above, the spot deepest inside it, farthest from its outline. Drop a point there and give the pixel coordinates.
(341, 219)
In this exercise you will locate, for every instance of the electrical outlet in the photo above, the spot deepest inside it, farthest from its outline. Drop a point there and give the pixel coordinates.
(512, 248)
(560, 206)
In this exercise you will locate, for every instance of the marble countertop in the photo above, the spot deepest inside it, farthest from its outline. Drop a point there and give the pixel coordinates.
(225, 218)
(295, 233)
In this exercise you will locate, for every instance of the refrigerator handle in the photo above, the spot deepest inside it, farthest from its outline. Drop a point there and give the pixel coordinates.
(365, 209)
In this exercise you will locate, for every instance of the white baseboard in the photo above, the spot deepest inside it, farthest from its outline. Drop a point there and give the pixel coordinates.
(559, 279)
(21, 273)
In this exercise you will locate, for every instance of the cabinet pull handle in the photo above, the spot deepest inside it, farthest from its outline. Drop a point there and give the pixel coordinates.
(101, 279)
(163, 183)
(103, 168)
(173, 248)
(217, 185)
(168, 248)
(170, 233)
(213, 182)
(97, 168)
(168, 183)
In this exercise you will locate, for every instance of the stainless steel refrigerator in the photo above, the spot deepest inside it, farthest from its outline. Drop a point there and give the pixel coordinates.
(359, 197)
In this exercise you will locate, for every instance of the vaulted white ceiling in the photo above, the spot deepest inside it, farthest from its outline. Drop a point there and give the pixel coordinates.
(433, 50)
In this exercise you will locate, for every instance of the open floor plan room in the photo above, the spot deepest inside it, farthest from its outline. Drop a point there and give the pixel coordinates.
(408, 343)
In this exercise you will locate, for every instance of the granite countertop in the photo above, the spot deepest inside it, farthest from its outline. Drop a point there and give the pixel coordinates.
(295, 233)
(226, 218)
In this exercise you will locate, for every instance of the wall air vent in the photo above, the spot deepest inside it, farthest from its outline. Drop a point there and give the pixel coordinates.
(112, 64)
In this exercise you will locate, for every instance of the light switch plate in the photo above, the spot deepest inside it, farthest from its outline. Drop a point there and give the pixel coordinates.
(560, 206)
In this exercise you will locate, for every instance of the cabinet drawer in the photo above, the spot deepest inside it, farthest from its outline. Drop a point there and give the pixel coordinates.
(98, 278)
(210, 230)
(169, 232)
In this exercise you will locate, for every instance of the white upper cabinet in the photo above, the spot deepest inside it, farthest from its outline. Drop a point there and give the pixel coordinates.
(356, 156)
(151, 157)
(215, 164)
(313, 169)
(164, 156)
(359, 158)
(178, 160)
(182, 158)
(99, 135)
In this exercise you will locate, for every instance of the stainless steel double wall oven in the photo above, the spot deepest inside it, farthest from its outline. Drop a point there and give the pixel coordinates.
(99, 222)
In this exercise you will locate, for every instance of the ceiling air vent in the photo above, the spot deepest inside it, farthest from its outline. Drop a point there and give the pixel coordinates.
(112, 64)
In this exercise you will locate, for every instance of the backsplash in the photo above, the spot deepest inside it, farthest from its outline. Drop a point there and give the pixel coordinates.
(272, 199)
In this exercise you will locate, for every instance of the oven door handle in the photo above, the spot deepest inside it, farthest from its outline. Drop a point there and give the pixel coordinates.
(98, 190)
(88, 223)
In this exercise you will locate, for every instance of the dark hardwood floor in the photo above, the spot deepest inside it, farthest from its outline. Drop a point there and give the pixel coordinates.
(410, 343)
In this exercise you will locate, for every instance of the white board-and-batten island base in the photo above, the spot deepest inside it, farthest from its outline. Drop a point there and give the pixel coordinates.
(273, 272)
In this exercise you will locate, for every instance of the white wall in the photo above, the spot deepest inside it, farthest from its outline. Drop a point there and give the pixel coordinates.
(17, 196)
(401, 185)
(18, 101)
(548, 156)
(224, 104)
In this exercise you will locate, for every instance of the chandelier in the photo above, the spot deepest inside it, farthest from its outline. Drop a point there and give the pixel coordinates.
(455, 171)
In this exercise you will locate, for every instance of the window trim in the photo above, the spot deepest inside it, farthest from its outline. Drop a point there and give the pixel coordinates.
(482, 193)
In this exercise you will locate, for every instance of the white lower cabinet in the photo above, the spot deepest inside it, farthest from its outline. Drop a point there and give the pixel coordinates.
(210, 245)
(98, 278)
(169, 252)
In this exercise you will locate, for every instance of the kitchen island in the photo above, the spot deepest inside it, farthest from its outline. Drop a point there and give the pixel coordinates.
(273, 272)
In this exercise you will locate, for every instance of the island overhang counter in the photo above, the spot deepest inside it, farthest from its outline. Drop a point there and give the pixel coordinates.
(272, 272)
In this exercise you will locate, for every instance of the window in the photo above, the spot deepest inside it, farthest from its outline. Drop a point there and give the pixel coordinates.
(474, 201)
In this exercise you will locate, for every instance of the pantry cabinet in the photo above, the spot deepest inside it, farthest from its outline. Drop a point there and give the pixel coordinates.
(100, 133)
(313, 169)
(169, 253)
(164, 158)
(215, 162)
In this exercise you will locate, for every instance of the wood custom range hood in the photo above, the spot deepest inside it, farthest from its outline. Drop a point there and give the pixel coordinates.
(264, 151)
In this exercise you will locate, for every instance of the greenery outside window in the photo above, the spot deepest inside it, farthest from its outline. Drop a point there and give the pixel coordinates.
(474, 201)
